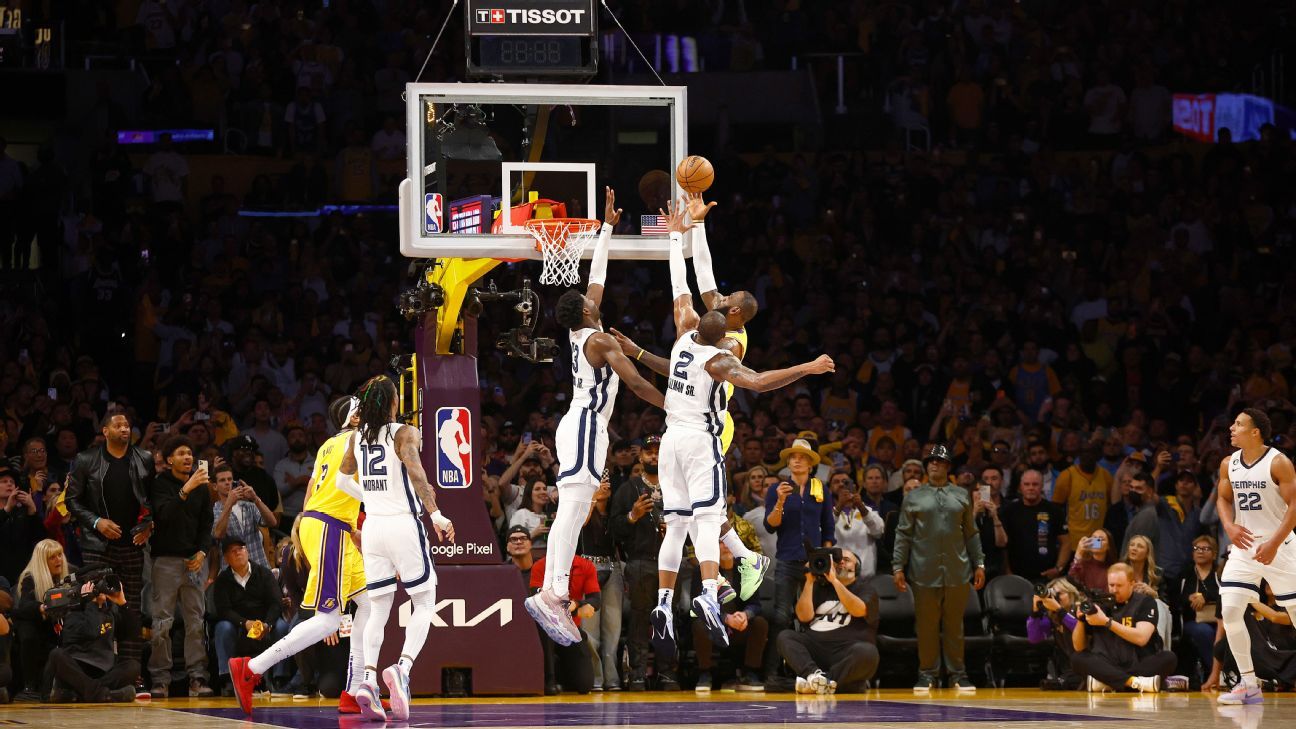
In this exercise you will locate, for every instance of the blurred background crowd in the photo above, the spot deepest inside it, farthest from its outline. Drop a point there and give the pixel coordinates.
(1050, 283)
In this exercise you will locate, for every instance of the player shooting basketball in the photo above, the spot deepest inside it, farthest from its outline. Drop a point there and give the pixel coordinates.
(738, 308)
(692, 467)
(598, 366)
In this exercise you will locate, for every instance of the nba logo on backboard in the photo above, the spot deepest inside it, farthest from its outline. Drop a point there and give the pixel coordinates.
(432, 213)
(454, 448)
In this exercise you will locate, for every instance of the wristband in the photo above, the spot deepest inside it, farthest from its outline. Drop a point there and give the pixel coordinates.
(95, 525)
(439, 520)
(638, 356)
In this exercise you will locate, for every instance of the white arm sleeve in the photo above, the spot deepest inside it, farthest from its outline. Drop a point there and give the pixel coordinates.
(598, 265)
(349, 486)
(678, 269)
(702, 260)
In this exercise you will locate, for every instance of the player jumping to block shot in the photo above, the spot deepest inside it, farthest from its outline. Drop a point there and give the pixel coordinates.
(1257, 508)
(598, 366)
(738, 308)
(692, 467)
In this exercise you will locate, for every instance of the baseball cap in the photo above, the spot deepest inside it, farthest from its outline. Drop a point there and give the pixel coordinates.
(652, 441)
(231, 542)
(508, 425)
(245, 441)
(517, 529)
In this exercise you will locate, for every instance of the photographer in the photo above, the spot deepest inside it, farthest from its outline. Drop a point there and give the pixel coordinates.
(182, 505)
(86, 663)
(1053, 616)
(841, 614)
(36, 632)
(1121, 651)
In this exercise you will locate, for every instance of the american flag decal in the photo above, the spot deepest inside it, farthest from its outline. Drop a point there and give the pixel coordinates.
(652, 225)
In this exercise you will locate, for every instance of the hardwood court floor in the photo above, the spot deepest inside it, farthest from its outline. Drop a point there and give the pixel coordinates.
(1011, 707)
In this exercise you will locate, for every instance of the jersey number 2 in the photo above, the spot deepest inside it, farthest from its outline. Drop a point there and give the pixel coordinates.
(1249, 501)
(372, 457)
(686, 358)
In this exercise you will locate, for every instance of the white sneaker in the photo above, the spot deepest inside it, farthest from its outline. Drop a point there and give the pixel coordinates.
(1094, 686)
(1147, 684)
(803, 686)
(818, 682)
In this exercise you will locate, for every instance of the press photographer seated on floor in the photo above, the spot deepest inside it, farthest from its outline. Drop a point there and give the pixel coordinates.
(840, 613)
(1117, 645)
(1053, 617)
(86, 666)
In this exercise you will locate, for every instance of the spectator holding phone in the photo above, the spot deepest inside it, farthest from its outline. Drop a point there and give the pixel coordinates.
(20, 525)
(534, 513)
(1094, 554)
(858, 527)
(108, 496)
(182, 507)
(239, 513)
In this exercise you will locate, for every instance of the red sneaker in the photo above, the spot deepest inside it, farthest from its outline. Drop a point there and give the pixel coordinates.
(347, 704)
(244, 681)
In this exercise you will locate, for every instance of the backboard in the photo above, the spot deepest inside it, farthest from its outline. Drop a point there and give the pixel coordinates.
(485, 157)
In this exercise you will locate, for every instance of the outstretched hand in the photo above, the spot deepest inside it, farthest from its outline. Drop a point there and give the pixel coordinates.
(822, 364)
(675, 217)
(611, 213)
(628, 347)
(697, 207)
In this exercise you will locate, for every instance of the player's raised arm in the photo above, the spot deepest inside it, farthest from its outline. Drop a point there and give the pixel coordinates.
(603, 344)
(702, 266)
(1240, 536)
(630, 349)
(686, 317)
(598, 264)
(407, 450)
(726, 368)
(1284, 475)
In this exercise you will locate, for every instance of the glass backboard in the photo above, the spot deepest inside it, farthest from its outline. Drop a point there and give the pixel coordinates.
(484, 158)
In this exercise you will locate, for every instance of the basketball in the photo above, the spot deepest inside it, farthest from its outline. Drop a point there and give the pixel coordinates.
(695, 174)
(465, 448)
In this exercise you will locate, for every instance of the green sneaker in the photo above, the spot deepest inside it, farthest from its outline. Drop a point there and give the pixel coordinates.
(751, 573)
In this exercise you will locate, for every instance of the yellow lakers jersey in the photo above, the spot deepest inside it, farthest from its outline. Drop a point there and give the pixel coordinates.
(726, 434)
(327, 498)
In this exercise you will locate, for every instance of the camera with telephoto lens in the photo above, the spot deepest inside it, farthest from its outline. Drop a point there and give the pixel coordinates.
(820, 560)
(1096, 600)
(77, 590)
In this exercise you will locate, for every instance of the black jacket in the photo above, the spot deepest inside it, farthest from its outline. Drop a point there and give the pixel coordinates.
(85, 497)
(182, 527)
(640, 540)
(89, 632)
(259, 600)
(19, 533)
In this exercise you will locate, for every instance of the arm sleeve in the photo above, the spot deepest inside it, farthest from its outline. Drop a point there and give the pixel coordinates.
(598, 264)
(702, 266)
(678, 269)
(347, 484)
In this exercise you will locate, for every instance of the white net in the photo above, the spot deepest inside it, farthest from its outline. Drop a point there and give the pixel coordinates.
(561, 241)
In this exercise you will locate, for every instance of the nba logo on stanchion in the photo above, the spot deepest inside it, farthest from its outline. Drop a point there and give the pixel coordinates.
(432, 213)
(454, 448)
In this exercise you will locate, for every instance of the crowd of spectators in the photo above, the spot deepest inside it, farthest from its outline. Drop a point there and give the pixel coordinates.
(1070, 301)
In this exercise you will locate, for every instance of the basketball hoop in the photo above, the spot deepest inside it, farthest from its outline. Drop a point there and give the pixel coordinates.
(561, 241)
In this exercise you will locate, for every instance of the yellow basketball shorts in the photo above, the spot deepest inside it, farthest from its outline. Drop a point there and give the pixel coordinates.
(336, 567)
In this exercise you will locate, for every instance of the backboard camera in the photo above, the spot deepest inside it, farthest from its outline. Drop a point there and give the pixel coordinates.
(518, 342)
(423, 298)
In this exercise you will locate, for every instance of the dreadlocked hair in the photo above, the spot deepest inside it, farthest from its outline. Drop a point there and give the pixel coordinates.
(376, 398)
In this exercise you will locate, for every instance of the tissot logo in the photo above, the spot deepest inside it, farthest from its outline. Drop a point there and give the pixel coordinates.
(489, 15)
(497, 16)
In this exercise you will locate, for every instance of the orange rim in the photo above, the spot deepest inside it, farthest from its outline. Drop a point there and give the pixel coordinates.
(554, 231)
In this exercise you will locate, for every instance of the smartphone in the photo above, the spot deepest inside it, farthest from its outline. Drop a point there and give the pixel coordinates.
(52, 393)
(526, 438)
(202, 465)
(166, 428)
(983, 492)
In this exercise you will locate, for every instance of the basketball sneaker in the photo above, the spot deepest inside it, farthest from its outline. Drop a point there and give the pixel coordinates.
(751, 573)
(370, 704)
(244, 681)
(663, 631)
(1094, 686)
(1242, 694)
(708, 608)
(398, 688)
(347, 704)
(1147, 684)
(549, 613)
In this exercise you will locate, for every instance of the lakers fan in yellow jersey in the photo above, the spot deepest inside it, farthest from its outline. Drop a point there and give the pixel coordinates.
(325, 531)
(738, 308)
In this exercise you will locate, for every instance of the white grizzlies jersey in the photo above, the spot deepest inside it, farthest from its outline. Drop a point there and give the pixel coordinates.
(382, 476)
(694, 399)
(1257, 503)
(593, 388)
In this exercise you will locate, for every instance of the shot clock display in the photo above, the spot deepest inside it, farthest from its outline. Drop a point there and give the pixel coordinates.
(521, 38)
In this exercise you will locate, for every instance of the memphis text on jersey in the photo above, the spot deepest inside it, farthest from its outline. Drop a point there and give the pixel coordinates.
(680, 386)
